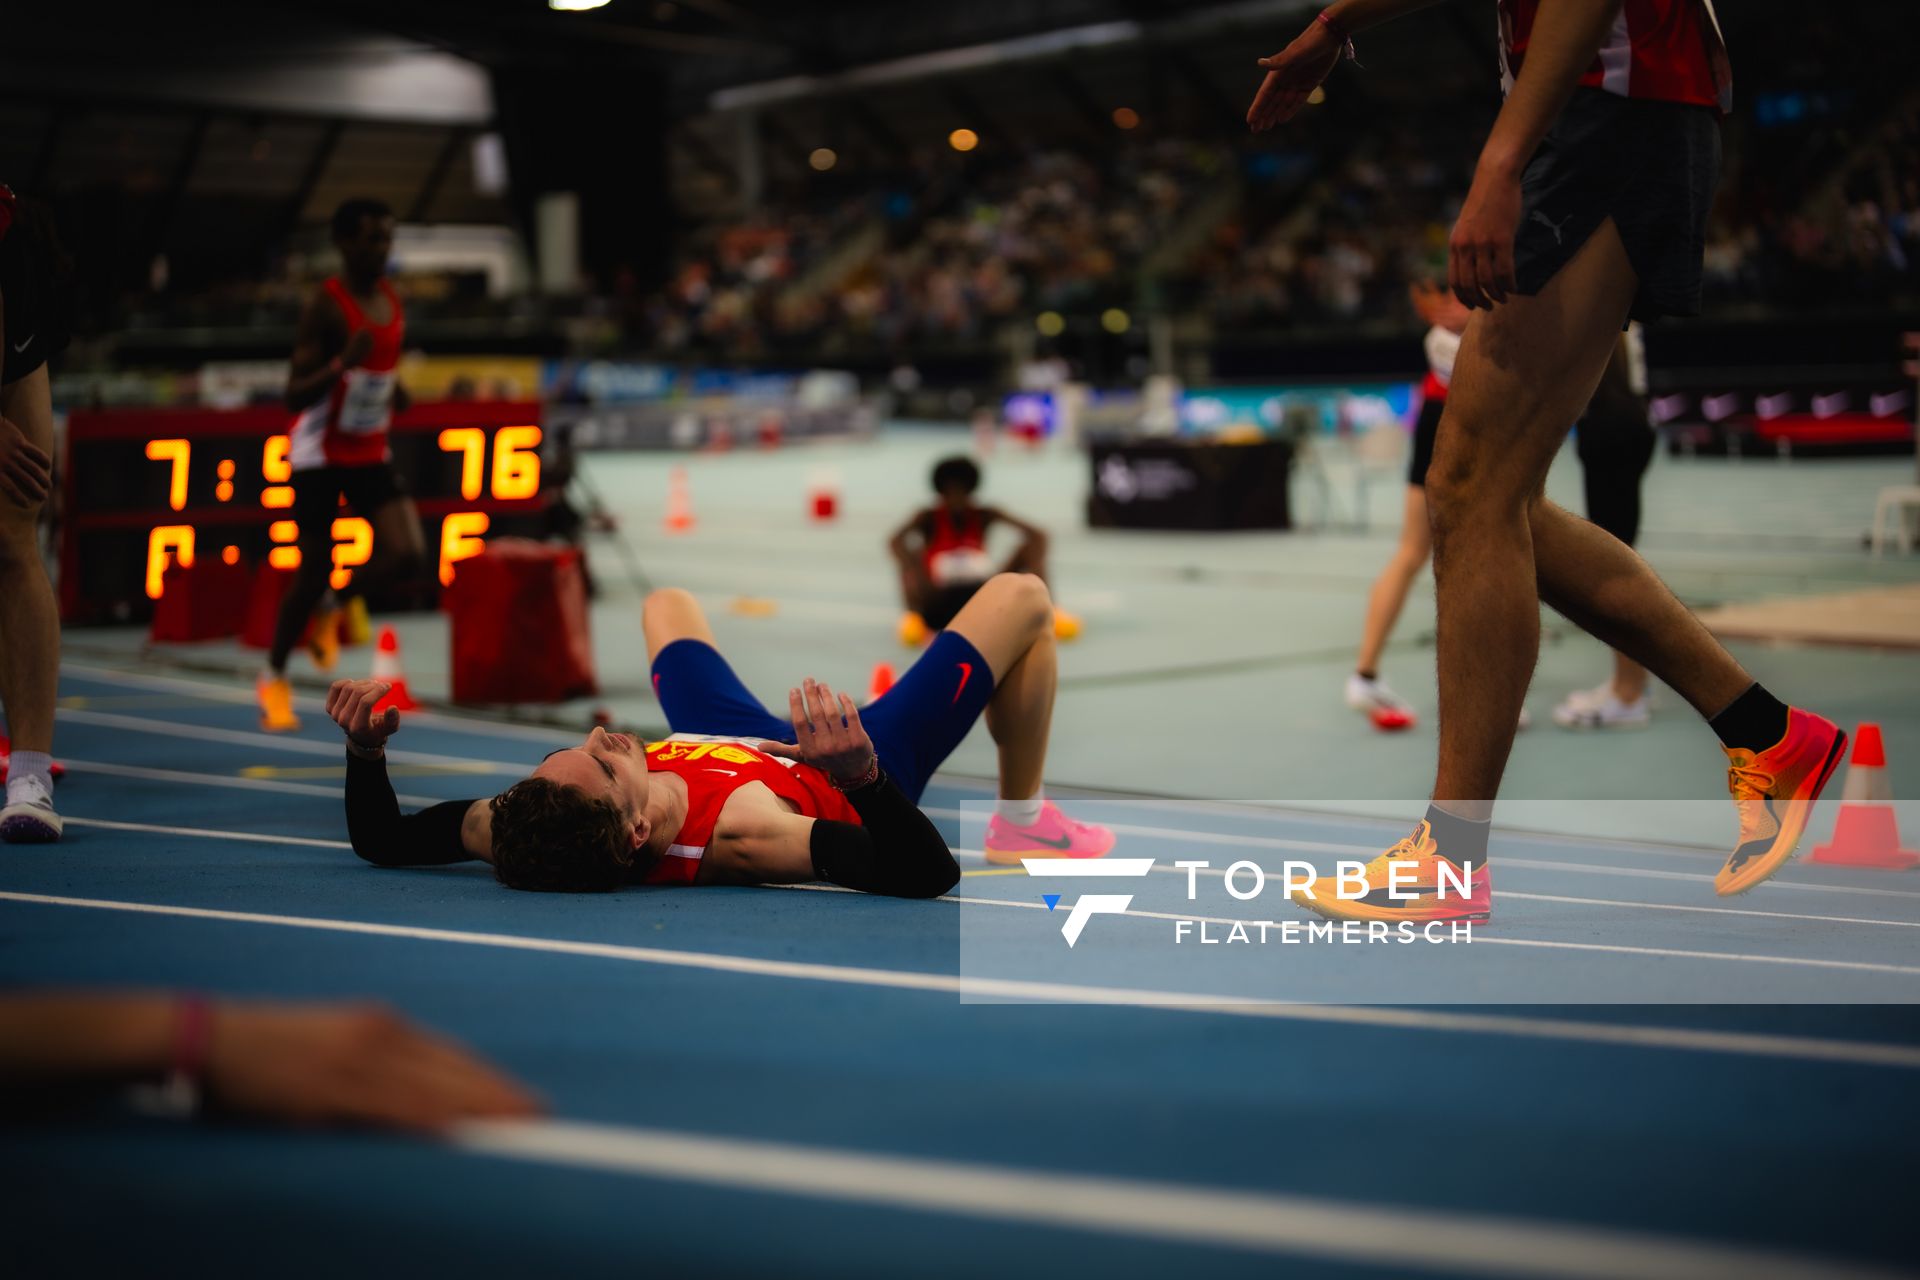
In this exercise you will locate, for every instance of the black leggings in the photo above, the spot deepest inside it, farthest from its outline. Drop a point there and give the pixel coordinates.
(1615, 443)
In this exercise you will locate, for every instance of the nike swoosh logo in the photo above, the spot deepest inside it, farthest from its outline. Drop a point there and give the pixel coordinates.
(731, 773)
(1064, 842)
(18, 347)
(966, 674)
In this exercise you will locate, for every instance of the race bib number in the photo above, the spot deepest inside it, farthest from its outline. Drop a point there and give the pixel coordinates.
(959, 567)
(367, 405)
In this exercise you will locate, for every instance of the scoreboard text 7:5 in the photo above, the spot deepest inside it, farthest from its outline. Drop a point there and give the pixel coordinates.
(145, 488)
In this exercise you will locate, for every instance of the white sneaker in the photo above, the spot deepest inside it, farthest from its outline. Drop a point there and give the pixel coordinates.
(29, 817)
(1368, 696)
(1599, 709)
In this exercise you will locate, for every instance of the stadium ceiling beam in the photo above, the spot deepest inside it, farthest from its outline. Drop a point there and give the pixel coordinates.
(323, 151)
(1062, 43)
(436, 176)
(463, 30)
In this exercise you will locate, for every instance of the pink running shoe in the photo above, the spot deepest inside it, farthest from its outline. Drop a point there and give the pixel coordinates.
(1054, 835)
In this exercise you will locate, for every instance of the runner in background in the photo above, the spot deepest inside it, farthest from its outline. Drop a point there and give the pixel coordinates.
(344, 386)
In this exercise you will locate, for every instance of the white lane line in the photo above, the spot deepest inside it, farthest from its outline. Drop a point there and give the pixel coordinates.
(1671, 953)
(201, 833)
(1750, 1044)
(241, 697)
(184, 777)
(1222, 1217)
(281, 742)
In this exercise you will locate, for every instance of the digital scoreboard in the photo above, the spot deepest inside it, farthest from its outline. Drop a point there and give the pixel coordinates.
(142, 489)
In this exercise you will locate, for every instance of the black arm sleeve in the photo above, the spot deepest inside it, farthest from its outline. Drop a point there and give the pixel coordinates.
(384, 836)
(897, 851)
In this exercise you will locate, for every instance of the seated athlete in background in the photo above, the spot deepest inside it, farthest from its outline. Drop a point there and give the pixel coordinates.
(741, 804)
(942, 554)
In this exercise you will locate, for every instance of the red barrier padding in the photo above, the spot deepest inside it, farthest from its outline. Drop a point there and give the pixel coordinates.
(206, 602)
(520, 634)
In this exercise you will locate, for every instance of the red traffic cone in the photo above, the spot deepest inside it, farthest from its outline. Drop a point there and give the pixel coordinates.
(881, 682)
(386, 666)
(1867, 833)
(679, 518)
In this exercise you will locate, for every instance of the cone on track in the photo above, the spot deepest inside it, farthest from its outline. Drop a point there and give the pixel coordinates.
(386, 666)
(679, 517)
(823, 494)
(1867, 833)
(881, 682)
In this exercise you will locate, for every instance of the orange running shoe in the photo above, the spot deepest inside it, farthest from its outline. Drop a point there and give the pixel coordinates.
(1774, 791)
(323, 639)
(276, 703)
(1420, 859)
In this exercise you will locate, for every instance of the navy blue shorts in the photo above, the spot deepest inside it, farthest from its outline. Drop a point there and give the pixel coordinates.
(914, 726)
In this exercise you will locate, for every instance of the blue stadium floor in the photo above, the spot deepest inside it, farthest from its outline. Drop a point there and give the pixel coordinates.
(752, 1081)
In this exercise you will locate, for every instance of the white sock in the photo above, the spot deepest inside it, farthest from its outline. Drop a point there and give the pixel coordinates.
(1021, 813)
(24, 765)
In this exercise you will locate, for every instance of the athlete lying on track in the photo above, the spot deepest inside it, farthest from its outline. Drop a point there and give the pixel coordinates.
(741, 796)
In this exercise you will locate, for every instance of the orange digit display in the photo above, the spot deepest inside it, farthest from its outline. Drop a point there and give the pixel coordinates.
(277, 471)
(516, 465)
(176, 453)
(471, 444)
(286, 555)
(167, 541)
(460, 539)
(352, 545)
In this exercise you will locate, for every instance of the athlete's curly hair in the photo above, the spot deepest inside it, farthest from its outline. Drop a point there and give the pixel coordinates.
(557, 839)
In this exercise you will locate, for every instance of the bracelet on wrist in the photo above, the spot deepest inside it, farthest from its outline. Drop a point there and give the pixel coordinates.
(865, 780)
(366, 753)
(1332, 24)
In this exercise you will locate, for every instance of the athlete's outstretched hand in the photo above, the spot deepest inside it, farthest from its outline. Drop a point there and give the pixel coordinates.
(26, 472)
(351, 1064)
(350, 703)
(1292, 74)
(827, 733)
(1480, 252)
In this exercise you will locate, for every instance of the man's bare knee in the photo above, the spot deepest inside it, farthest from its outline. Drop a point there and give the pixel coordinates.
(669, 614)
(1023, 595)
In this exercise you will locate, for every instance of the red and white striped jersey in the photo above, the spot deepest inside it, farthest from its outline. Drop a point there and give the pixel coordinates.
(1664, 50)
(348, 426)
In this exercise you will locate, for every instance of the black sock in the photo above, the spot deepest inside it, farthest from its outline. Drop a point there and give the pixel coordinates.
(1368, 675)
(1753, 721)
(1461, 840)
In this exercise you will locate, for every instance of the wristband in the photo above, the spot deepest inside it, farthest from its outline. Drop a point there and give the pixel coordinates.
(865, 780)
(1340, 33)
(366, 753)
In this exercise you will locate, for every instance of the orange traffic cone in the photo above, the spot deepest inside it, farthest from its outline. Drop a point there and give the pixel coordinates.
(386, 666)
(881, 682)
(1867, 833)
(679, 502)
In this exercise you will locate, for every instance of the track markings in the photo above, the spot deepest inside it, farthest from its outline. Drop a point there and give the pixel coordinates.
(1749, 1044)
(1221, 1217)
